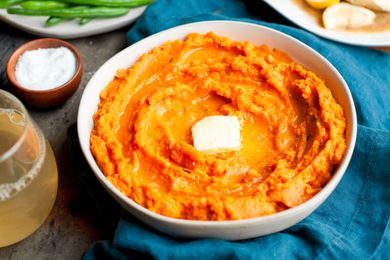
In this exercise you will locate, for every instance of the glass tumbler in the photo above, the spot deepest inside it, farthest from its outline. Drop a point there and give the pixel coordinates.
(28, 173)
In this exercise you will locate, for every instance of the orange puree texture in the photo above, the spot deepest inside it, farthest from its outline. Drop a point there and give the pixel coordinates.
(292, 130)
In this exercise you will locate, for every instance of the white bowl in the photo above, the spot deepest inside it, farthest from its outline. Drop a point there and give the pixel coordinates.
(234, 229)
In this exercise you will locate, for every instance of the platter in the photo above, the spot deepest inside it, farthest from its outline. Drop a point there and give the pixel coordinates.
(69, 29)
(296, 13)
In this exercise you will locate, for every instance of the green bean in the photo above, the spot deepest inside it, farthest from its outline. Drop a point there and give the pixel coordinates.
(8, 3)
(92, 12)
(85, 20)
(43, 5)
(111, 3)
(53, 20)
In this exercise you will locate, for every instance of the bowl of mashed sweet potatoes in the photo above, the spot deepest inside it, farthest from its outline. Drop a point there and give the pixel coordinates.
(294, 125)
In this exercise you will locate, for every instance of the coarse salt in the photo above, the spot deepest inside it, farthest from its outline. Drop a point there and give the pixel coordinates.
(44, 69)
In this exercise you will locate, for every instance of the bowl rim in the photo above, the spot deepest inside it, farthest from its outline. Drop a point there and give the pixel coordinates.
(19, 51)
(316, 199)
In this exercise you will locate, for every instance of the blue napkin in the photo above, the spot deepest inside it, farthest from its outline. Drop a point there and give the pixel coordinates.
(353, 223)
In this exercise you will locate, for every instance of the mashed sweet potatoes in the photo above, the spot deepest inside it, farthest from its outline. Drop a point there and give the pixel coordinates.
(292, 130)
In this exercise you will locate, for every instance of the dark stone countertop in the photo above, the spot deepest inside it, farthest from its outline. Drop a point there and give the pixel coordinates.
(71, 227)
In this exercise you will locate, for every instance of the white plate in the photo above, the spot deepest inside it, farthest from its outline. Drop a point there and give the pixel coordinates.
(69, 29)
(235, 229)
(302, 18)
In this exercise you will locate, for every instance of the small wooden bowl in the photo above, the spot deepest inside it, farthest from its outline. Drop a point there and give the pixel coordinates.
(44, 98)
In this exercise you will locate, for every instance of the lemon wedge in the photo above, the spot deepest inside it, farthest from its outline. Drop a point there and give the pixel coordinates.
(344, 16)
(322, 4)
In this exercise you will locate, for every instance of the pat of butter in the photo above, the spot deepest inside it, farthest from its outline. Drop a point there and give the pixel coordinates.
(214, 134)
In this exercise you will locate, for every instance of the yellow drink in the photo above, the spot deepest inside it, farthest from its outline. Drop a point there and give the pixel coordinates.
(28, 177)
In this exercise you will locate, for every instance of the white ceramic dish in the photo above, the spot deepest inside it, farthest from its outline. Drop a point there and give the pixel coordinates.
(302, 18)
(69, 29)
(230, 230)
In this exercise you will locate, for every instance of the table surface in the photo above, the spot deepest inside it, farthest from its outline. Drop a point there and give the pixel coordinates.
(71, 227)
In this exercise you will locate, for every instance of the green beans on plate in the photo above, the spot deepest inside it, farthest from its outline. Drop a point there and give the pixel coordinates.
(63, 10)
(92, 12)
(110, 3)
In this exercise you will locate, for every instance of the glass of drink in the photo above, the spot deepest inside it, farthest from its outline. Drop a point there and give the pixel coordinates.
(28, 173)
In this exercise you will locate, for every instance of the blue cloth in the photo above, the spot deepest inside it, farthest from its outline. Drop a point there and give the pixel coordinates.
(353, 223)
